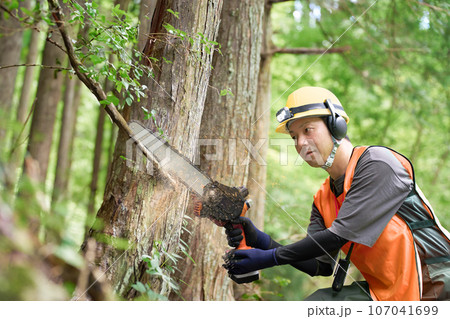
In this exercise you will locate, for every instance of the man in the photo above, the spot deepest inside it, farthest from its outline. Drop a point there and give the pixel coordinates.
(370, 202)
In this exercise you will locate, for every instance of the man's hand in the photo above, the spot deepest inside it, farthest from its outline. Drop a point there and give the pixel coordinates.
(253, 236)
(239, 262)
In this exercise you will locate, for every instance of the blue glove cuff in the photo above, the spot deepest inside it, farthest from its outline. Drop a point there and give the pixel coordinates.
(262, 240)
(274, 255)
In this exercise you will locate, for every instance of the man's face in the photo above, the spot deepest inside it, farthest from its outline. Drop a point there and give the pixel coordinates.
(312, 140)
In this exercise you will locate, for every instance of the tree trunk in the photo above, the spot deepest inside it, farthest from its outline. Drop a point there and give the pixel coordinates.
(111, 144)
(147, 211)
(23, 112)
(226, 121)
(67, 133)
(24, 102)
(260, 125)
(147, 8)
(72, 95)
(98, 150)
(11, 44)
(47, 98)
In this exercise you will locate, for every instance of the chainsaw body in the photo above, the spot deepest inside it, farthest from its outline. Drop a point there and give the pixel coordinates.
(222, 205)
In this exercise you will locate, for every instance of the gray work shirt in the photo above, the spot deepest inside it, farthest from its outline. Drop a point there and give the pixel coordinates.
(379, 187)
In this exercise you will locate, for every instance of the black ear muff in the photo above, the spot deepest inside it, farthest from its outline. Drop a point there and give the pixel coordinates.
(336, 123)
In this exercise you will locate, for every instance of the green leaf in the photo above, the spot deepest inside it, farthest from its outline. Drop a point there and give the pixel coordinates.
(117, 11)
(176, 14)
(139, 286)
(170, 28)
(76, 5)
(129, 100)
(13, 5)
(167, 61)
(113, 99)
(155, 296)
(225, 92)
(27, 12)
(189, 256)
(119, 86)
(95, 59)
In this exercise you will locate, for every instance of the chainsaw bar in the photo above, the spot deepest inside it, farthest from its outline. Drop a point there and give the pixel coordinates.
(169, 160)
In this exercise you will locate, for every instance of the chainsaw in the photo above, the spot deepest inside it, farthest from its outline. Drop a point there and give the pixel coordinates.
(218, 202)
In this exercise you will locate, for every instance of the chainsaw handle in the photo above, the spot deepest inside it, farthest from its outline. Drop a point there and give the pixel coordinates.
(243, 243)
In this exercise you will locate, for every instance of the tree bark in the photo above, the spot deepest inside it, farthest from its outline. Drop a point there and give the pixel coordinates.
(67, 133)
(98, 150)
(138, 207)
(261, 123)
(47, 98)
(226, 120)
(11, 45)
(24, 102)
(147, 8)
(71, 100)
(23, 111)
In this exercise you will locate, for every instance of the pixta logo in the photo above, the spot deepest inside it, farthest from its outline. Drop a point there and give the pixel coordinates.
(232, 152)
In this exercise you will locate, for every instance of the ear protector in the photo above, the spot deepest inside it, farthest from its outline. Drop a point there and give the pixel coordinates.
(335, 122)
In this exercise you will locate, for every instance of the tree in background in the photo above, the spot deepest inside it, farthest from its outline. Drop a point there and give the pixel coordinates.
(225, 134)
(11, 37)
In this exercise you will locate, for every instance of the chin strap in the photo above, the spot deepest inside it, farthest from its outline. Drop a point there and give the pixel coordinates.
(330, 158)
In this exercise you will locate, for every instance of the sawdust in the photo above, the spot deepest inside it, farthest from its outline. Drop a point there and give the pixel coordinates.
(222, 203)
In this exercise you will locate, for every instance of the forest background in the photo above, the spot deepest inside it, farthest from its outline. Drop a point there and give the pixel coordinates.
(386, 61)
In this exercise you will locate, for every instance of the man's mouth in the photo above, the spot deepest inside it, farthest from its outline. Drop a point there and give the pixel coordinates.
(308, 153)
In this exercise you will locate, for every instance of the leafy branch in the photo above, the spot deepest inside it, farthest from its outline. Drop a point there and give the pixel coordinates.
(80, 69)
(39, 65)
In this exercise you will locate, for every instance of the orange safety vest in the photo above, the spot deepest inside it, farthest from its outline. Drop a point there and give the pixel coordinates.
(392, 266)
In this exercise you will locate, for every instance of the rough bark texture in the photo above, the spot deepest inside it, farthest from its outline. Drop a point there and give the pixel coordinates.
(138, 207)
(260, 125)
(67, 133)
(24, 102)
(23, 112)
(147, 8)
(47, 98)
(227, 121)
(11, 44)
(96, 161)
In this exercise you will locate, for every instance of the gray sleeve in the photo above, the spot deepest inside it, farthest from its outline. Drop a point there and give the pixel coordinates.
(379, 187)
(317, 224)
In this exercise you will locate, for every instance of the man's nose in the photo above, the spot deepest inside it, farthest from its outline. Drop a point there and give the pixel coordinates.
(301, 142)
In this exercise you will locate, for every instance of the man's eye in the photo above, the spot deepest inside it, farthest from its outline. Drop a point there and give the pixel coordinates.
(308, 130)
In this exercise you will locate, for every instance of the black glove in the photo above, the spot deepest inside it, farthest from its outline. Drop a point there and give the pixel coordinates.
(253, 236)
